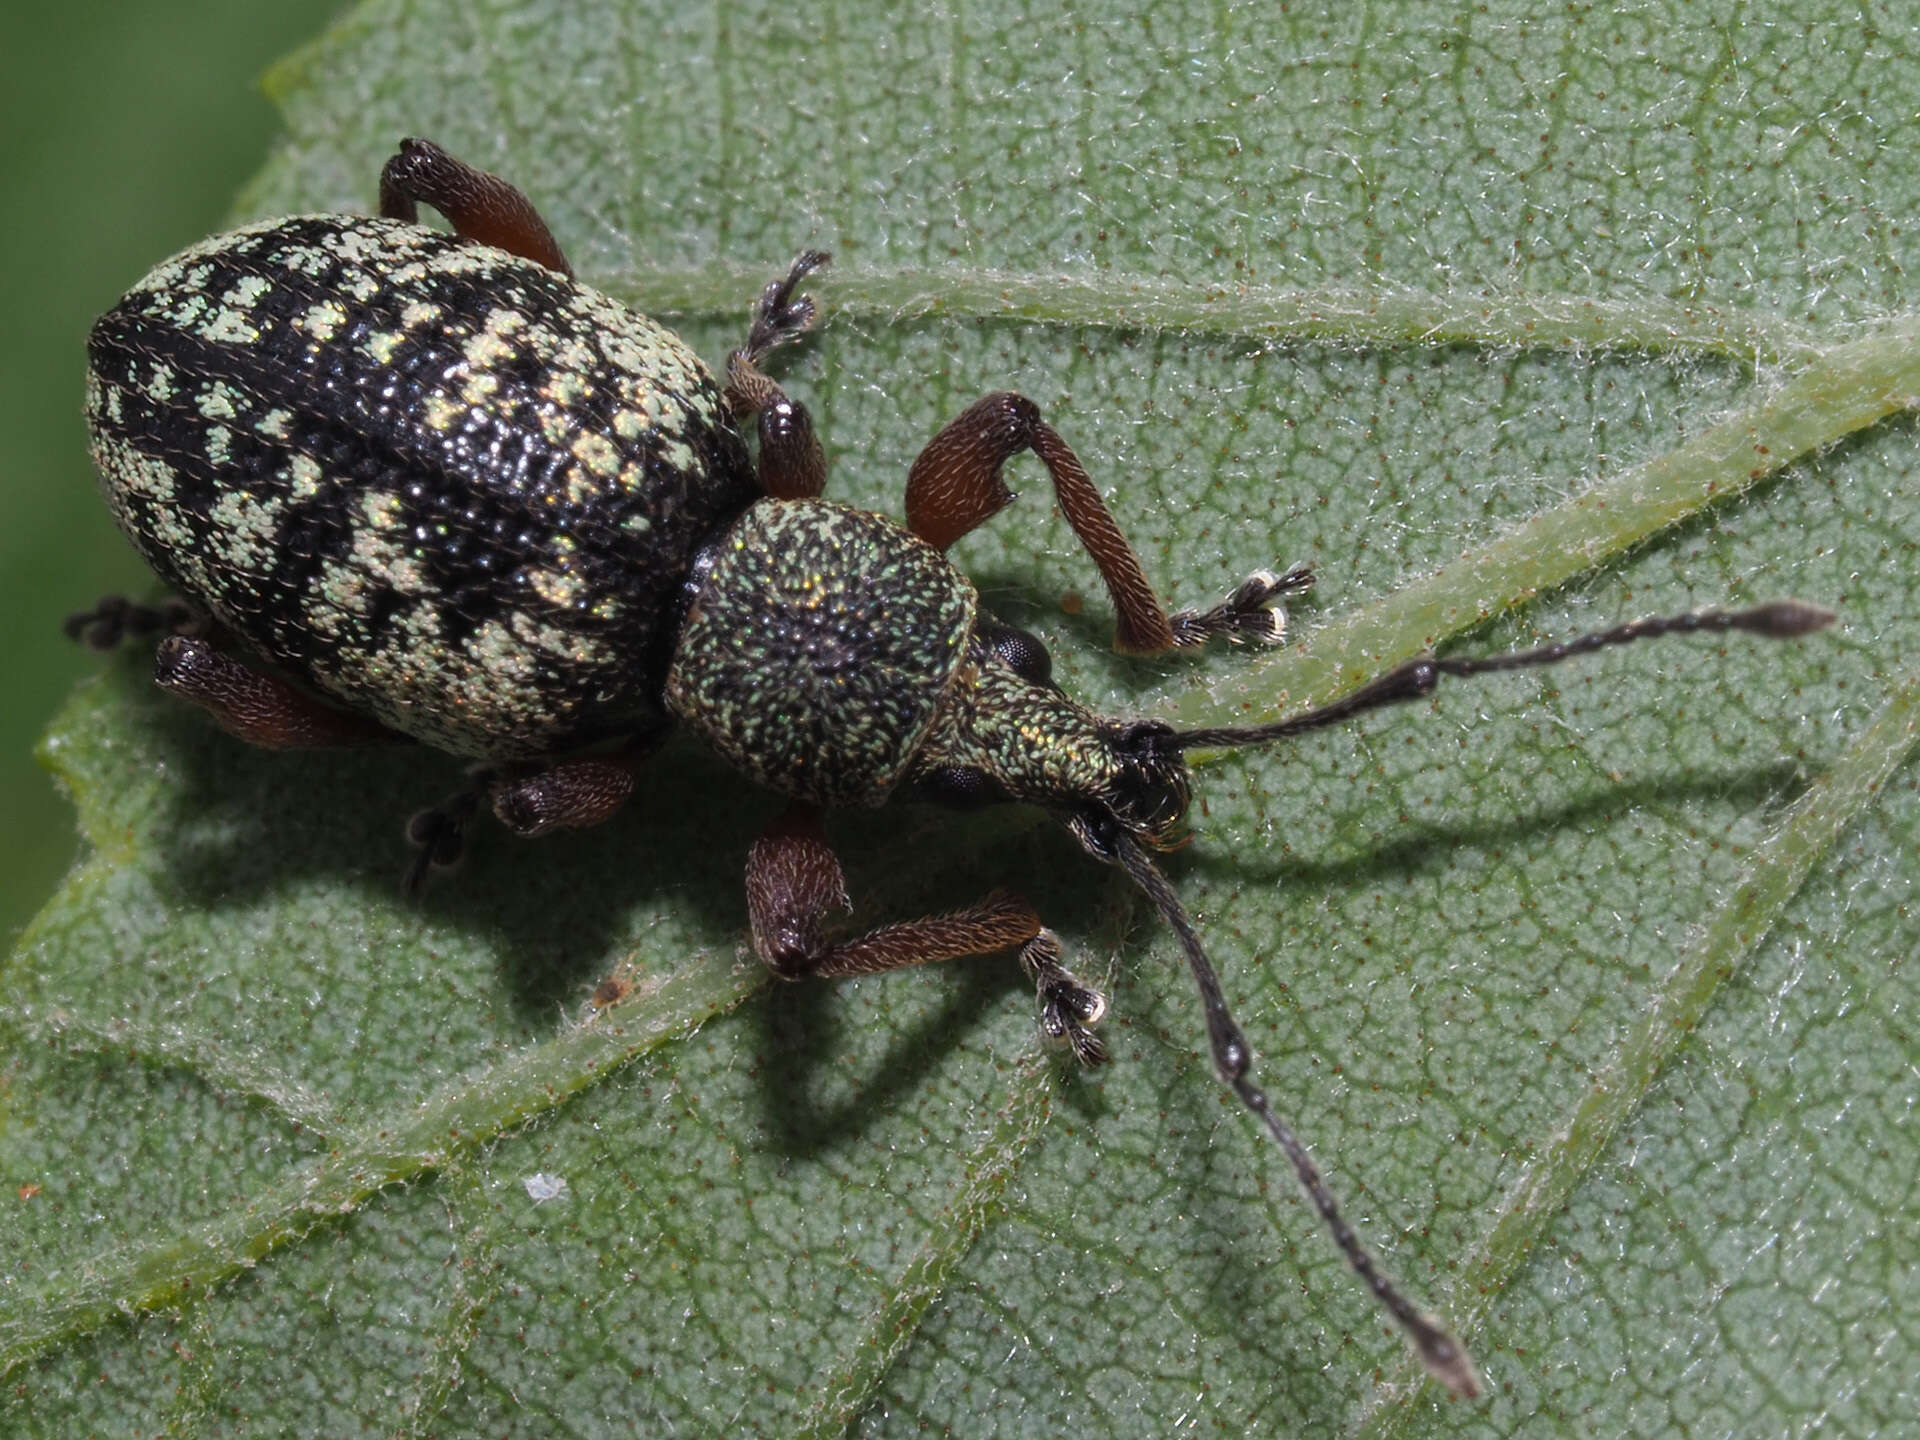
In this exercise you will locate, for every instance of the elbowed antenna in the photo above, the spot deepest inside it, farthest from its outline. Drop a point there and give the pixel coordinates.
(1781, 620)
(1445, 1358)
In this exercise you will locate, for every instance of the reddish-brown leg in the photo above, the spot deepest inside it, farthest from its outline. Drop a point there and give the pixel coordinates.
(259, 709)
(792, 464)
(117, 618)
(568, 796)
(565, 795)
(955, 485)
(479, 206)
(794, 882)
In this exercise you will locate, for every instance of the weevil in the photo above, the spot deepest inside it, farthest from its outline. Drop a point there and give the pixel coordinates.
(419, 486)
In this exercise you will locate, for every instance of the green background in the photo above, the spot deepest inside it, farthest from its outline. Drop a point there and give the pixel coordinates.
(128, 130)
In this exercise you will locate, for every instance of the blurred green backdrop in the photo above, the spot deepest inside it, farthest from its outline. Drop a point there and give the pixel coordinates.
(128, 129)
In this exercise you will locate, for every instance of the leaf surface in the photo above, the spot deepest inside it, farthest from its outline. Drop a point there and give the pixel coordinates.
(1590, 988)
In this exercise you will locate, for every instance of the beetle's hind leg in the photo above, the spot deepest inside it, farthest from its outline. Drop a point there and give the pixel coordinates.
(480, 207)
(260, 709)
(117, 618)
(792, 464)
(794, 883)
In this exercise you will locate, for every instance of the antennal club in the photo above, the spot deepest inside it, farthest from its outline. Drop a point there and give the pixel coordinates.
(1445, 1358)
(1781, 620)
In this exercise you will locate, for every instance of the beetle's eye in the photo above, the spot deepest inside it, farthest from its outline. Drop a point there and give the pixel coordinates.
(960, 786)
(1020, 652)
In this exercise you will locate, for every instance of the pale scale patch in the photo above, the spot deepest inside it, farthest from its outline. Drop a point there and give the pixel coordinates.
(573, 353)
(499, 656)
(440, 413)
(565, 387)
(461, 260)
(491, 344)
(381, 345)
(322, 321)
(135, 473)
(551, 640)
(678, 456)
(380, 557)
(382, 510)
(160, 384)
(219, 444)
(705, 405)
(596, 452)
(303, 477)
(162, 278)
(555, 427)
(220, 401)
(343, 593)
(245, 292)
(420, 626)
(276, 424)
(581, 489)
(307, 260)
(321, 615)
(624, 354)
(557, 588)
(358, 245)
(249, 529)
(228, 326)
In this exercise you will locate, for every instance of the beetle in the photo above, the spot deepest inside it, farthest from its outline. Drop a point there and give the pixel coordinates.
(419, 486)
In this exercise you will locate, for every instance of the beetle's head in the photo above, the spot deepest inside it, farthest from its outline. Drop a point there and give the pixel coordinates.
(1146, 796)
(1006, 732)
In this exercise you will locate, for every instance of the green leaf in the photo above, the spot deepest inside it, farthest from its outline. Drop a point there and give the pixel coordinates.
(1590, 988)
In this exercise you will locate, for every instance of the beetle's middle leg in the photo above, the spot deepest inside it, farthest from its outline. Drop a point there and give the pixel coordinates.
(794, 883)
(568, 794)
(955, 486)
(792, 464)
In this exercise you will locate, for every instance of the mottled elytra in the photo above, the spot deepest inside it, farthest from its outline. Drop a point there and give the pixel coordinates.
(413, 486)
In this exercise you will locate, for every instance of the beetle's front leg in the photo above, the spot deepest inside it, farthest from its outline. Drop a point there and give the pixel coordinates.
(794, 884)
(1249, 613)
(955, 485)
